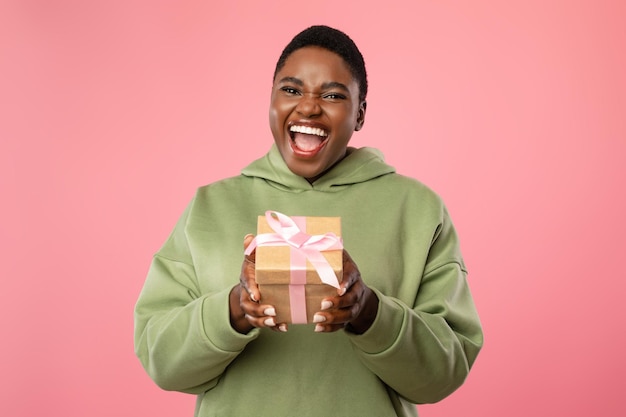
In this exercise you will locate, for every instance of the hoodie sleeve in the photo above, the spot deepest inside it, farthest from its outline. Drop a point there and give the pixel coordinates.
(183, 338)
(425, 351)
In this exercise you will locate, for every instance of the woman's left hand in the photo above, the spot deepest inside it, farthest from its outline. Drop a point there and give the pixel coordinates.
(354, 308)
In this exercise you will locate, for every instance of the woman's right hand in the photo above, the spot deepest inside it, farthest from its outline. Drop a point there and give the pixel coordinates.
(246, 312)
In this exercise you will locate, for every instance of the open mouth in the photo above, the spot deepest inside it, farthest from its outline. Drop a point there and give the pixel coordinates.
(307, 139)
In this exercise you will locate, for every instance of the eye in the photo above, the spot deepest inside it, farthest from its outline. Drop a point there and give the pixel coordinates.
(334, 96)
(290, 91)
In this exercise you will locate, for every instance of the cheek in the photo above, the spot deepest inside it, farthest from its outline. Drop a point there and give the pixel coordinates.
(277, 123)
(348, 119)
(278, 111)
(274, 116)
(346, 112)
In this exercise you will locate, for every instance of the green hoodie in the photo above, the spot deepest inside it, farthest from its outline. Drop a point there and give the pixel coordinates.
(419, 349)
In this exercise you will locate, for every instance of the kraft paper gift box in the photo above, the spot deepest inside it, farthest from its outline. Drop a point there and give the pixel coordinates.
(299, 262)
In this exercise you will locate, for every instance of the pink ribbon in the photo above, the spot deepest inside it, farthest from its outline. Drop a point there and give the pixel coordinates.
(302, 247)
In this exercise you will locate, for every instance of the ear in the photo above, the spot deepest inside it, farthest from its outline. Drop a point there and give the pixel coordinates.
(360, 117)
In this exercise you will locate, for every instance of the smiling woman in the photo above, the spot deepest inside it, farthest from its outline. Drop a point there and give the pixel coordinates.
(314, 110)
(401, 329)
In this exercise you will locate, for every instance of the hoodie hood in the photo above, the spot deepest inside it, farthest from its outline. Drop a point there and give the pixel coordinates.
(359, 165)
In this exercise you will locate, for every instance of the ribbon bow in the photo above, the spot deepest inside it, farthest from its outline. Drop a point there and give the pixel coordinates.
(287, 233)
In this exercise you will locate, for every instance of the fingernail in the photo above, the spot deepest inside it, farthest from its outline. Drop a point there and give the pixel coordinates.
(342, 291)
(326, 304)
(282, 327)
(318, 318)
(270, 311)
(319, 328)
(253, 298)
(270, 322)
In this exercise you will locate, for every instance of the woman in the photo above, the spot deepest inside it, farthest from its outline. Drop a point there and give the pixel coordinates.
(402, 329)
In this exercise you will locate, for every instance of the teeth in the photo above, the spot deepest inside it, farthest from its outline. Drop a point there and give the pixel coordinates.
(309, 130)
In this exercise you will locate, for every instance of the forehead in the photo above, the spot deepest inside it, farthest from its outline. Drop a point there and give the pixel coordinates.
(315, 63)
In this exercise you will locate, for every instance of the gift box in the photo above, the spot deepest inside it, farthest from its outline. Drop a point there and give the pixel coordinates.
(299, 262)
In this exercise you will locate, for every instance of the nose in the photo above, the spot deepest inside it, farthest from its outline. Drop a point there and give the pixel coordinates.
(308, 106)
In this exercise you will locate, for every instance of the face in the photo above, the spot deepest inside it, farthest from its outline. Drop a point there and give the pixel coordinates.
(314, 110)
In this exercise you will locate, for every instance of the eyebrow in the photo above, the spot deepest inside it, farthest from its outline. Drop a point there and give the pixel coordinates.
(326, 86)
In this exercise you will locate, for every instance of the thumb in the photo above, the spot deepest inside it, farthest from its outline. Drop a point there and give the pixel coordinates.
(247, 240)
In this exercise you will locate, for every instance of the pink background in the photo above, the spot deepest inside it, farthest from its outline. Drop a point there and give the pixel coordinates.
(112, 113)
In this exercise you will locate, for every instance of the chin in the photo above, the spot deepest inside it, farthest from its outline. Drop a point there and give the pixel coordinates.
(304, 172)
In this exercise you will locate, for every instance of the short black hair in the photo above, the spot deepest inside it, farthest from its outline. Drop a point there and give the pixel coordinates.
(335, 41)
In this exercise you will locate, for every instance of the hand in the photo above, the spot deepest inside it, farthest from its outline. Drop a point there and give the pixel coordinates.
(354, 308)
(245, 311)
